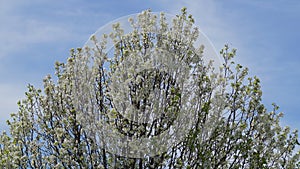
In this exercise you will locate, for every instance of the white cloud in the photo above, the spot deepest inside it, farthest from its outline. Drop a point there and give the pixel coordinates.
(18, 33)
(17, 30)
(208, 17)
(10, 94)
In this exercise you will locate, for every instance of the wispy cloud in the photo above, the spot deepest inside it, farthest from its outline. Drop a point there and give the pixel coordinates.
(10, 94)
(18, 31)
(209, 18)
(32, 32)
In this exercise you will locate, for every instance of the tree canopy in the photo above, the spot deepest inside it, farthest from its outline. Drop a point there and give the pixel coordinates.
(150, 102)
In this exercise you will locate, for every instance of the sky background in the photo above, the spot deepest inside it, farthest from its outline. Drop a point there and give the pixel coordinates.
(36, 33)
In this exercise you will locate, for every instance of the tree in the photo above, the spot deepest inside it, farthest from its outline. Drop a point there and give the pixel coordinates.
(231, 128)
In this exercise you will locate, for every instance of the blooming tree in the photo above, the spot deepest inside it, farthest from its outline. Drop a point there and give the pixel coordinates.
(151, 102)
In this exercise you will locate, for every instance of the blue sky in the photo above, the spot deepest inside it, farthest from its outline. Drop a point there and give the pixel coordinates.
(36, 33)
